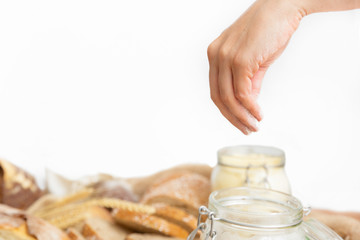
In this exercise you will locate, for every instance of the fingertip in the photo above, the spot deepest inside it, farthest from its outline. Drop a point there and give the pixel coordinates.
(261, 114)
(256, 112)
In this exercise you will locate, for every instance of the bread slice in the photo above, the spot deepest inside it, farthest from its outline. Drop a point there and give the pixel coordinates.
(176, 215)
(148, 224)
(74, 234)
(100, 229)
(184, 190)
(142, 236)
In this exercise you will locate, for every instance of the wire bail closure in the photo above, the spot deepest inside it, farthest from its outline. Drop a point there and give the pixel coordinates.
(211, 234)
(201, 226)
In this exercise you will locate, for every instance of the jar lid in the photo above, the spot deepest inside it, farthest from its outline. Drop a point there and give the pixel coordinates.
(243, 156)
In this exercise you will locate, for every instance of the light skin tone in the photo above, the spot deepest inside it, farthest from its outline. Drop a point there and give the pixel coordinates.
(241, 55)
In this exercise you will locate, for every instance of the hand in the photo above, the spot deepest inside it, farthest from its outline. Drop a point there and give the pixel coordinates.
(240, 56)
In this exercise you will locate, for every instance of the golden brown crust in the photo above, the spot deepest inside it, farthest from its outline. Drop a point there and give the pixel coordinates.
(74, 234)
(176, 215)
(17, 188)
(15, 234)
(148, 224)
(184, 190)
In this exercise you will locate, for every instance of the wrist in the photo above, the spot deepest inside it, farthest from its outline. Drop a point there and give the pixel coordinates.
(315, 6)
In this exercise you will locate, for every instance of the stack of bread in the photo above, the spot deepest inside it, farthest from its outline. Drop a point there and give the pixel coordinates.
(163, 206)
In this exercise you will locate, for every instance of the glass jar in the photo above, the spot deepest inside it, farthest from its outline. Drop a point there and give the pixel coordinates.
(257, 214)
(250, 166)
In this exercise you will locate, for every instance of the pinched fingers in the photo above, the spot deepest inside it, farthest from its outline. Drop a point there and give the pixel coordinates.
(239, 111)
(215, 96)
(222, 91)
(247, 82)
(215, 93)
(228, 98)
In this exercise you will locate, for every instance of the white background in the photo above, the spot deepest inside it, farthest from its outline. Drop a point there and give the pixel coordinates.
(122, 87)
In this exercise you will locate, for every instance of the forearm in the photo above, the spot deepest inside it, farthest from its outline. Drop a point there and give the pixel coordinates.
(314, 6)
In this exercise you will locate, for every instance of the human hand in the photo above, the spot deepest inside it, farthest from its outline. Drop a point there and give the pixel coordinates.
(241, 55)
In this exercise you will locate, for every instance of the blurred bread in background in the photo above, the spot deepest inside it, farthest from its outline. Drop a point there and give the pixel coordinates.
(17, 187)
(346, 224)
(163, 206)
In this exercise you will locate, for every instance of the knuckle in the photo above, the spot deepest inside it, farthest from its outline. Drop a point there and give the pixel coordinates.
(223, 53)
(239, 61)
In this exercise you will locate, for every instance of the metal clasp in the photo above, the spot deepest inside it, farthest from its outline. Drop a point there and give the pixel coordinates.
(201, 226)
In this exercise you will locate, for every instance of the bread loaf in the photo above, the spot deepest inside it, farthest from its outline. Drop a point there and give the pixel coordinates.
(148, 224)
(184, 190)
(17, 188)
(141, 184)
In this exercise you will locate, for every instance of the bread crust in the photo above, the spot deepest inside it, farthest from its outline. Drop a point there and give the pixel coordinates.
(74, 234)
(184, 190)
(141, 184)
